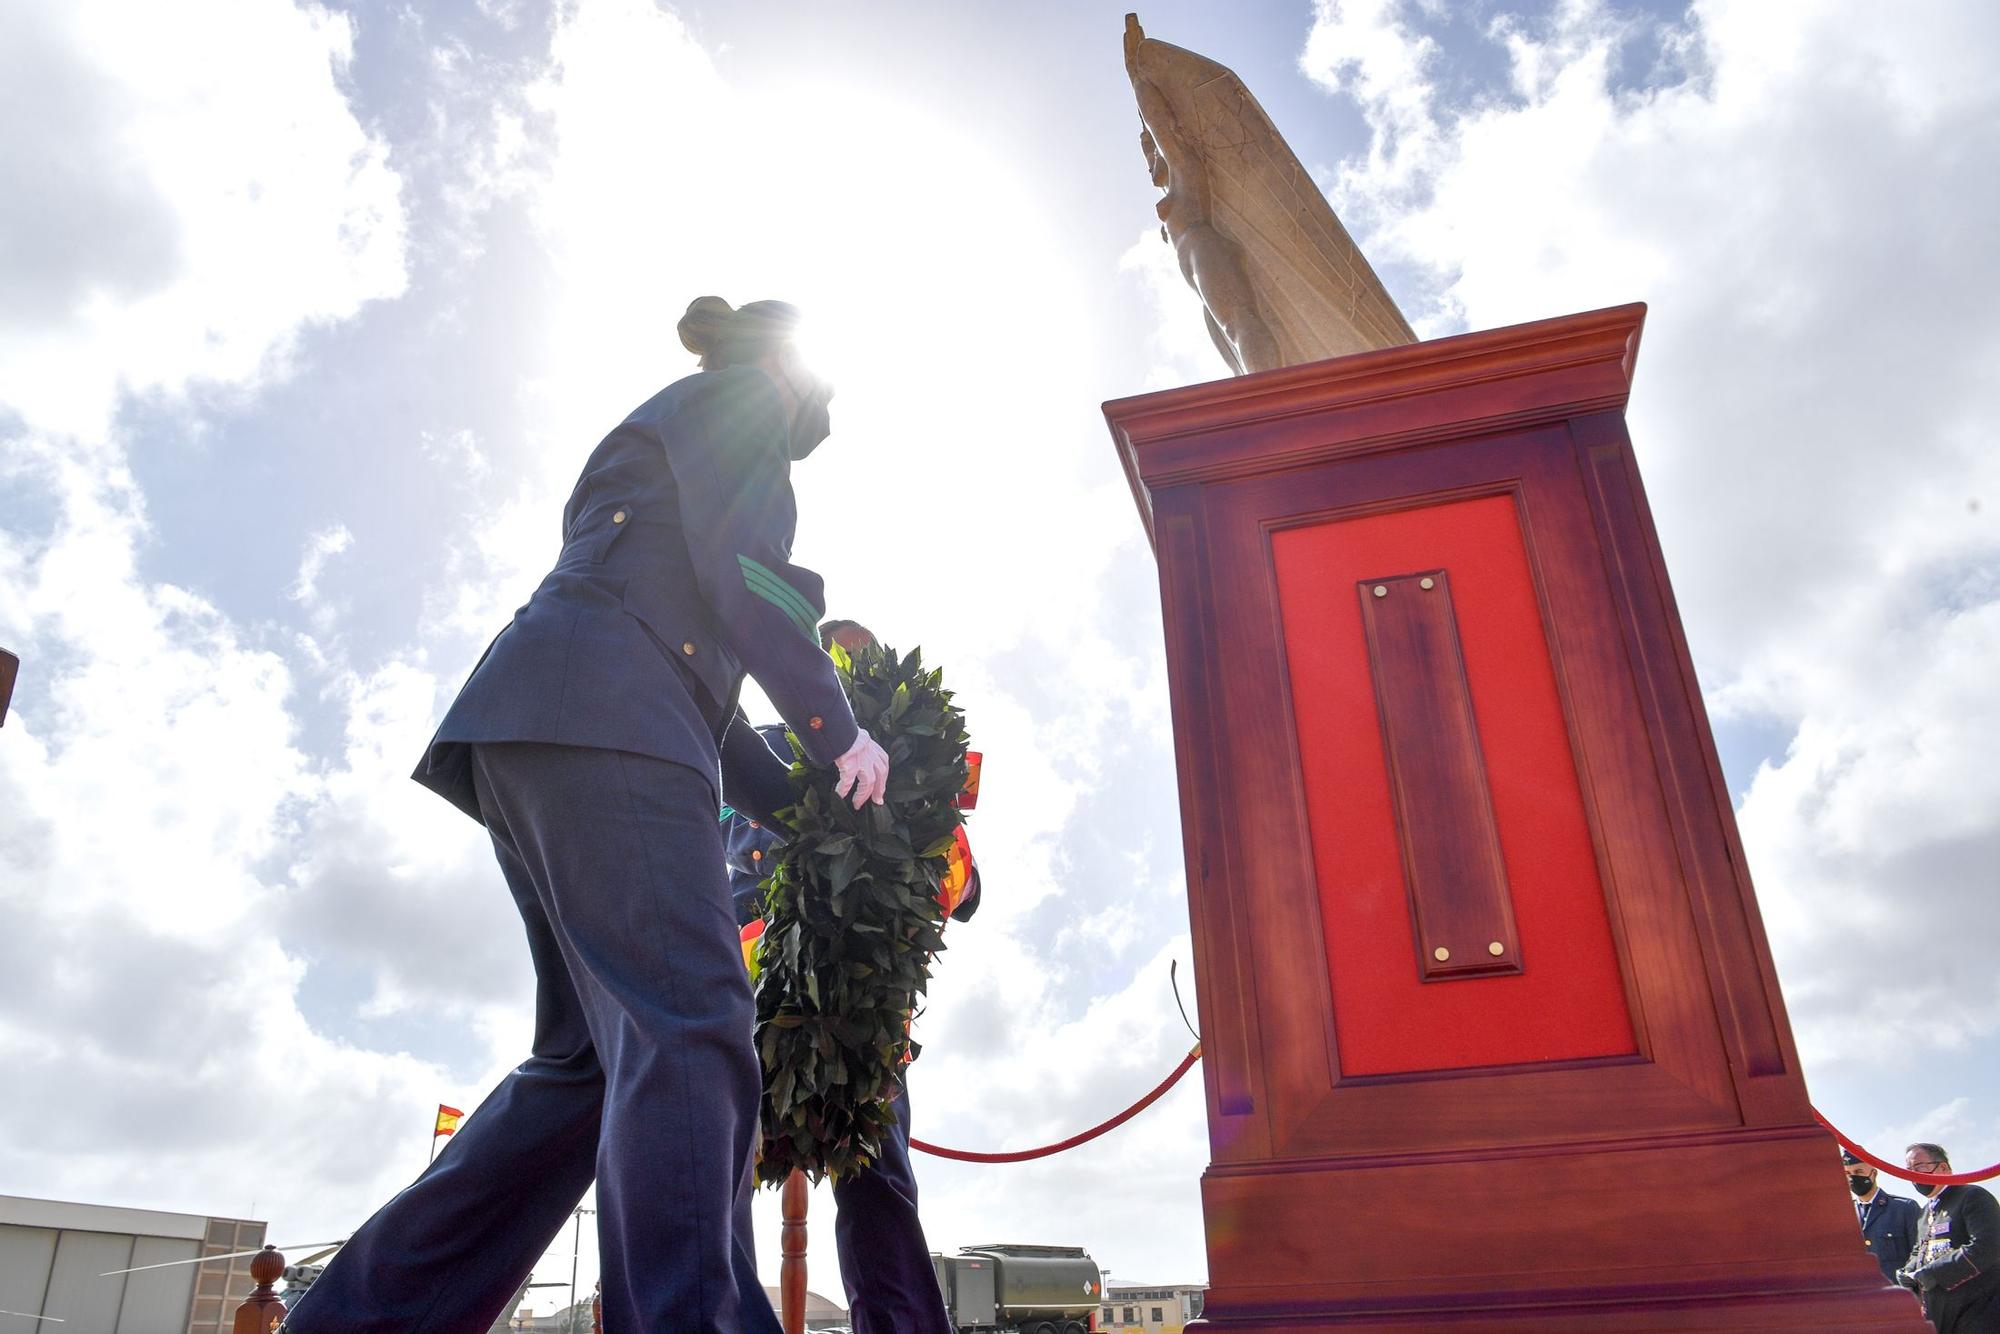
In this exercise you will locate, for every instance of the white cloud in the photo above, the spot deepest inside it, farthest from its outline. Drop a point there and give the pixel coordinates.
(390, 882)
(457, 451)
(1360, 48)
(1041, 1076)
(1878, 825)
(1182, 351)
(183, 189)
(208, 192)
(321, 612)
(152, 782)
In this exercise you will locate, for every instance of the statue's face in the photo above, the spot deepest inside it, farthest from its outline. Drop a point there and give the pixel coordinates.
(1155, 163)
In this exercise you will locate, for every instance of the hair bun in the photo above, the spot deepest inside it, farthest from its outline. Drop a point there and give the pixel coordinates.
(702, 328)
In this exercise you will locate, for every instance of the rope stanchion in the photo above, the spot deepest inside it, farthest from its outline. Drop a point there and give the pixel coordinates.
(1896, 1170)
(1047, 1150)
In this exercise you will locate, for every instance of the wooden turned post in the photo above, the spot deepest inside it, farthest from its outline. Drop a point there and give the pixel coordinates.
(792, 1246)
(262, 1312)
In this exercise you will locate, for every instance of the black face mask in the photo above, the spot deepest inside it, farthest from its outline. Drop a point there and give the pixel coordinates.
(1860, 1185)
(1926, 1189)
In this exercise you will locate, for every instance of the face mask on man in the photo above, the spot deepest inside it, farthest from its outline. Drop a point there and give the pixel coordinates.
(1860, 1185)
(1925, 1188)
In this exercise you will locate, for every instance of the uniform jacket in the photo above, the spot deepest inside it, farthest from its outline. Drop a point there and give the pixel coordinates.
(675, 578)
(1955, 1268)
(1888, 1230)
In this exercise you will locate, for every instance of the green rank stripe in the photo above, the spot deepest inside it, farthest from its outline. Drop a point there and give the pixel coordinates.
(774, 590)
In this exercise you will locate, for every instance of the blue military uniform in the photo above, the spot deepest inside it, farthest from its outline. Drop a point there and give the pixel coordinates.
(594, 741)
(885, 1260)
(1888, 1229)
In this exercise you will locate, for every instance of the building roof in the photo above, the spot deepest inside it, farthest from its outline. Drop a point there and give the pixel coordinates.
(22, 1211)
(1136, 1291)
(817, 1307)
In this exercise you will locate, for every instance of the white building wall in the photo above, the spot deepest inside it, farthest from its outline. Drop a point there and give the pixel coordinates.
(57, 1260)
(26, 1254)
(79, 1293)
(158, 1300)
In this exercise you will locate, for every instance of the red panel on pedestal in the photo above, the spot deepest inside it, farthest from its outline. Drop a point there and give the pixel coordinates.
(1568, 1002)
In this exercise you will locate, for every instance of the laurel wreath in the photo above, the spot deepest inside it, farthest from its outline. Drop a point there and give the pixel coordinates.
(852, 922)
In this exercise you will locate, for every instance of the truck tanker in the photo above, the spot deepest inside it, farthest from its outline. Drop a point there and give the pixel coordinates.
(1020, 1289)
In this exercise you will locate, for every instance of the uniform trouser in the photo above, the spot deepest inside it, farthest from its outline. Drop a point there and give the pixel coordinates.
(642, 1075)
(1954, 1313)
(885, 1263)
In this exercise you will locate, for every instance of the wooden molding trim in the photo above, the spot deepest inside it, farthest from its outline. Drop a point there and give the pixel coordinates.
(1546, 370)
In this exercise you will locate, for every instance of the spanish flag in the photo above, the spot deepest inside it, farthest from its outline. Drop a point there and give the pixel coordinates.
(448, 1119)
(957, 872)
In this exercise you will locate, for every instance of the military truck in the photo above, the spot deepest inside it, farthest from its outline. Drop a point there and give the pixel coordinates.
(1007, 1289)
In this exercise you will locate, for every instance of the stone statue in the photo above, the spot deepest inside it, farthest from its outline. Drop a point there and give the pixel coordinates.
(1280, 280)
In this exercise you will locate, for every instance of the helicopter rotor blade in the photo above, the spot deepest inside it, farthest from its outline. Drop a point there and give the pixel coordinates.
(204, 1259)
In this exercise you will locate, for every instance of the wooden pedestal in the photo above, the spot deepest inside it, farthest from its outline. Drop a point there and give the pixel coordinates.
(1493, 1037)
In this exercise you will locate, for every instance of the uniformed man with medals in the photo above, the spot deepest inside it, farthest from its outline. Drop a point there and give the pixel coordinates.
(1955, 1267)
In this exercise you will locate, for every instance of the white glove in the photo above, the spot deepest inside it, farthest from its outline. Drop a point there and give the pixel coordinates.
(864, 768)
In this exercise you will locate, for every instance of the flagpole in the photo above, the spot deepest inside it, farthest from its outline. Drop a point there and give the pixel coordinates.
(439, 1130)
(576, 1250)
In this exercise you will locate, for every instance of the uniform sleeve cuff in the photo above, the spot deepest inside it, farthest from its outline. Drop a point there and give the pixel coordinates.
(827, 739)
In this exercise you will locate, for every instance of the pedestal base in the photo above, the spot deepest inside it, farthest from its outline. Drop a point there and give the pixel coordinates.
(1882, 1309)
(1737, 1231)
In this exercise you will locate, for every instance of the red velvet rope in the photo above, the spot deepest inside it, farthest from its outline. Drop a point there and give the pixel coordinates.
(1894, 1170)
(1194, 1054)
(1023, 1155)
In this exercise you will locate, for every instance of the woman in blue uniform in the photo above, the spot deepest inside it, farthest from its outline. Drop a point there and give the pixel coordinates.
(595, 741)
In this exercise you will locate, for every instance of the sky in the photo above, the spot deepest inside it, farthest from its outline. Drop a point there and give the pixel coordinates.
(310, 313)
